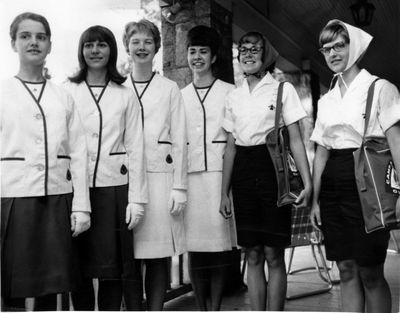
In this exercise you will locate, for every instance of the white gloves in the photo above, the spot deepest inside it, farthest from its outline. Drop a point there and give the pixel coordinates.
(134, 212)
(177, 201)
(80, 222)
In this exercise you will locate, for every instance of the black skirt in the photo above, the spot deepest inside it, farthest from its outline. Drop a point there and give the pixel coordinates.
(258, 219)
(106, 249)
(341, 215)
(37, 247)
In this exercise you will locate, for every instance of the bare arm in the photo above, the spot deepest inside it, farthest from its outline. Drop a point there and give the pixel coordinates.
(229, 156)
(300, 157)
(321, 156)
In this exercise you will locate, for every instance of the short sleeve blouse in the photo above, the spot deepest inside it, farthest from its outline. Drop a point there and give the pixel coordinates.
(340, 120)
(249, 116)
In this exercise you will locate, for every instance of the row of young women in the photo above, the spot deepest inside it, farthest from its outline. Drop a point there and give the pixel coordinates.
(138, 137)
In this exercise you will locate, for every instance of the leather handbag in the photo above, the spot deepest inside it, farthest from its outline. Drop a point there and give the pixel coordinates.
(376, 178)
(288, 177)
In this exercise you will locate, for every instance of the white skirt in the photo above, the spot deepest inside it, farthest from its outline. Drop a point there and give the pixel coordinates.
(159, 234)
(206, 229)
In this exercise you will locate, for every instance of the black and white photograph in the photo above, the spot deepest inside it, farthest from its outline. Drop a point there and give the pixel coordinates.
(200, 155)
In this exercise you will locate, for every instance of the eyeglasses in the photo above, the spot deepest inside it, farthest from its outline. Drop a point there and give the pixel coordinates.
(252, 50)
(338, 47)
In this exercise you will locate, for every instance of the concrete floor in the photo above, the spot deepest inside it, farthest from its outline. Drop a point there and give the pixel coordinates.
(300, 282)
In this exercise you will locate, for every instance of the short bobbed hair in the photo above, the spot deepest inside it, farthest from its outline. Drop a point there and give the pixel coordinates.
(331, 31)
(142, 26)
(98, 33)
(28, 16)
(202, 35)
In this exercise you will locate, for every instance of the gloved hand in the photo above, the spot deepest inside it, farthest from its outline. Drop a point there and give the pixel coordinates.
(134, 212)
(80, 222)
(177, 201)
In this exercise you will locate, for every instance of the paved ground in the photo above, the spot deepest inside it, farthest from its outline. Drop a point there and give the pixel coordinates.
(300, 282)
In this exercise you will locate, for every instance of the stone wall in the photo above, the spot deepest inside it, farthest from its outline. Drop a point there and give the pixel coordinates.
(200, 12)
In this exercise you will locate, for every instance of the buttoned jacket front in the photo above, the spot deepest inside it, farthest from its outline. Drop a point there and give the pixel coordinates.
(43, 145)
(114, 135)
(206, 137)
(164, 128)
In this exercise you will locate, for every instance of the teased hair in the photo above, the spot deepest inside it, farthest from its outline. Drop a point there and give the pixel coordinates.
(204, 36)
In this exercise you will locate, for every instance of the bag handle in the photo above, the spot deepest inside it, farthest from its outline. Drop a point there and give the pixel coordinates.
(368, 107)
(278, 109)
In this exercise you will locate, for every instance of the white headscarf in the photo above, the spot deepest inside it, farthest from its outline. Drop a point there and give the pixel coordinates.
(359, 42)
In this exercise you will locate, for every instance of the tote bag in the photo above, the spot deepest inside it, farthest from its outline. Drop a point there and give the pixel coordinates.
(288, 177)
(376, 178)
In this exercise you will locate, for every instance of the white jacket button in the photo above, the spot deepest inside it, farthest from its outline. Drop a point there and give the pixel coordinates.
(38, 116)
(38, 141)
(95, 135)
(93, 158)
(40, 167)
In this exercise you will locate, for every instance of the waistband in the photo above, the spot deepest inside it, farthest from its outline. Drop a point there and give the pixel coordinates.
(251, 148)
(333, 153)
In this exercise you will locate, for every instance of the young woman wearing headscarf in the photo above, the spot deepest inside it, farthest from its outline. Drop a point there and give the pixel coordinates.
(339, 127)
(263, 229)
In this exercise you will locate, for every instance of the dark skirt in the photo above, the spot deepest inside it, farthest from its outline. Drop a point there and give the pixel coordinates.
(37, 246)
(106, 249)
(258, 219)
(343, 227)
(210, 260)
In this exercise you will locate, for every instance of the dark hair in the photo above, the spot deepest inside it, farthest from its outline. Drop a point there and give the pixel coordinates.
(144, 26)
(28, 16)
(98, 33)
(331, 31)
(204, 36)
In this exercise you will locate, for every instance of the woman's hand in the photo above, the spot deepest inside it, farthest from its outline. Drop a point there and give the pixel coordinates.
(225, 208)
(177, 201)
(315, 216)
(80, 222)
(304, 198)
(134, 212)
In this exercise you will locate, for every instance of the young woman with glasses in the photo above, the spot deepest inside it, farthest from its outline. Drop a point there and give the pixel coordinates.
(263, 229)
(339, 129)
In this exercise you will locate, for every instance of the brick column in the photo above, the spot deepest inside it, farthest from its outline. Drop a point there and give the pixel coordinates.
(200, 12)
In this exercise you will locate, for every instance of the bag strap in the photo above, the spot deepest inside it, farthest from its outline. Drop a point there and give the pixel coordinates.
(368, 107)
(278, 109)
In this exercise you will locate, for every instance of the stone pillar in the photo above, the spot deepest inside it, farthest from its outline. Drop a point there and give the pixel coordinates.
(209, 13)
(199, 12)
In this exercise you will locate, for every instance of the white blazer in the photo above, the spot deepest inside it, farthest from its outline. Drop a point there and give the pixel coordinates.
(43, 145)
(114, 135)
(164, 128)
(206, 137)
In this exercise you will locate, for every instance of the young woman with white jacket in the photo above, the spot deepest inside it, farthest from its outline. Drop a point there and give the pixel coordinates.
(44, 184)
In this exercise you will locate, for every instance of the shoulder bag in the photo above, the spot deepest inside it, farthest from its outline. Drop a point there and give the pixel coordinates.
(288, 177)
(376, 178)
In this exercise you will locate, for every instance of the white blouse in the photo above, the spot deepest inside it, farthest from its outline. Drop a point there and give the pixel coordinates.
(340, 120)
(250, 116)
